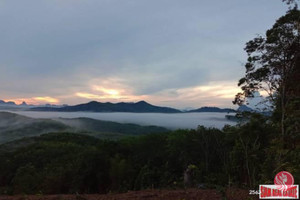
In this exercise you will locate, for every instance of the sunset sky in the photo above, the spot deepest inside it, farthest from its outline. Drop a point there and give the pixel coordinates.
(179, 53)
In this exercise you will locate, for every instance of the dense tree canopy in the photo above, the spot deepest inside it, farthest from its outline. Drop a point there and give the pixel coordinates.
(70, 163)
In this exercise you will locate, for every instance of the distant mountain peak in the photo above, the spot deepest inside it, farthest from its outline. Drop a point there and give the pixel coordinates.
(143, 102)
(93, 102)
(11, 103)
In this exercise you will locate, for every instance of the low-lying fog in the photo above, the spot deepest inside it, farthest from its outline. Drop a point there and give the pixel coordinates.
(172, 121)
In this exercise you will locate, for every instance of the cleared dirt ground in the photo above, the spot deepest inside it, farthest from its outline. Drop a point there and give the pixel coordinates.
(189, 194)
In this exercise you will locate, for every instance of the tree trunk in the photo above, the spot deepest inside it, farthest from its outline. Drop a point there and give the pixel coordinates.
(283, 111)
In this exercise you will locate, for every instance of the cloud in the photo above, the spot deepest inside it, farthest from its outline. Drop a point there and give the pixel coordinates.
(217, 93)
(35, 100)
(46, 99)
(140, 48)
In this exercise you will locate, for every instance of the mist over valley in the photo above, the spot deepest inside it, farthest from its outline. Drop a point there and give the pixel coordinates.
(171, 121)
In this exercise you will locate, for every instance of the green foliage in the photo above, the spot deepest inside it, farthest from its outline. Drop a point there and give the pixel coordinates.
(73, 163)
(26, 179)
(291, 2)
(69, 163)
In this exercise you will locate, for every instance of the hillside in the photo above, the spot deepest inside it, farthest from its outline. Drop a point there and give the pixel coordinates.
(14, 127)
(13, 120)
(93, 125)
(66, 163)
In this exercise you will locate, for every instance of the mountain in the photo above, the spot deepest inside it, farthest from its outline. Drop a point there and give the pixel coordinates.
(9, 103)
(24, 104)
(12, 106)
(94, 106)
(212, 109)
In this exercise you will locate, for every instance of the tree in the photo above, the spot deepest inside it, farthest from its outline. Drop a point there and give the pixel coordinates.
(290, 2)
(272, 65)
(26, 180)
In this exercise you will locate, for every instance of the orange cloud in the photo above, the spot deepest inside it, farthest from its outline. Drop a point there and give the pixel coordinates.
(110, 89)
(34, 100)
(212, 94)
(115, 93)
(215, 89)
(89, 95)
(46, 99)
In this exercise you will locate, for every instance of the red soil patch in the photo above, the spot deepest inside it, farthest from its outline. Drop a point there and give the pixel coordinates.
(238, 194)
(189, 194)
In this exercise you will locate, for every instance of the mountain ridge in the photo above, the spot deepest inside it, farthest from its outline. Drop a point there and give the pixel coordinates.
(138, 107)
(212, 109)
(10, 103)
(94, 106)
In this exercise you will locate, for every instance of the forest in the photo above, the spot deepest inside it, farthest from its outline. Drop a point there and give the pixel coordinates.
(68, 163)
(60, 163)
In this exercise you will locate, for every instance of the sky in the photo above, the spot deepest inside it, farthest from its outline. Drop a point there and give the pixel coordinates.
(177, 53)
